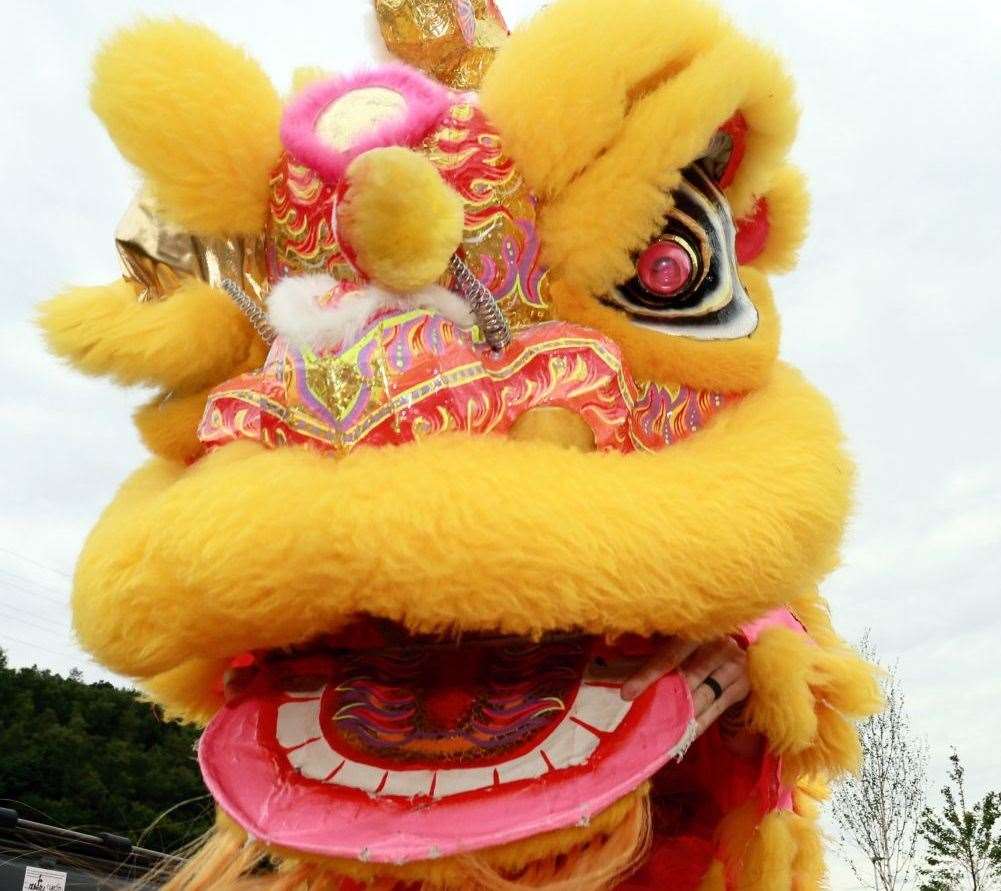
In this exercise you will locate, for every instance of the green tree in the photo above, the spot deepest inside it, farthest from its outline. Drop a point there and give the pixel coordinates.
(93, 757)
(963, 843)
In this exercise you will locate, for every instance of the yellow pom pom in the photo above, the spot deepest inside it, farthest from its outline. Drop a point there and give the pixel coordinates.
(400, 218)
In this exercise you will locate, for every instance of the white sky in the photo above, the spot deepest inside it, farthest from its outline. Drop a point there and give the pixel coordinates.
(893, 312)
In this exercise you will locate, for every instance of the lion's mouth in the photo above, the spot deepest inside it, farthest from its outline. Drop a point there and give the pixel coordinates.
(467, 744)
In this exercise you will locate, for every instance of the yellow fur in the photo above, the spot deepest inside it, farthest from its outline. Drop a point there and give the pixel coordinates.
(627, 818)
(767, 864)
(781, 851)
(714, 879)
(781, 706)
(401, 219)
(168, 425)
(453, 872)
(197, 116)
(191, 692)
(733, 835)
(604, 135)
(305, 75)
(730, 366)
(835, 750)
(809, 796)
(788, 214)
(575, 70)
(808, 866)
(814, 615)
(805, 698)
(192, 339)
(167, 576)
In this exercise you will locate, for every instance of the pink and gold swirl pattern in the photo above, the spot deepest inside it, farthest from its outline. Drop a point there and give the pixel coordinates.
(413, 373)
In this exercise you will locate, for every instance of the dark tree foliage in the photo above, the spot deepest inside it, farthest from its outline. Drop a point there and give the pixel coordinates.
(92, 757)
(963, 843)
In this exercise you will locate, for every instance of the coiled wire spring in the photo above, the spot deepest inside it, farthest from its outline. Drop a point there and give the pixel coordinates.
(489, 316)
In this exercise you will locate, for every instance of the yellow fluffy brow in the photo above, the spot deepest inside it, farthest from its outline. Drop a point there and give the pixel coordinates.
(197, 116)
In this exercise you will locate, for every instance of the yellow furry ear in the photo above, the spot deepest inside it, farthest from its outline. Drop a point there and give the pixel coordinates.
(197, 116)
(194, 338)
(400, 218)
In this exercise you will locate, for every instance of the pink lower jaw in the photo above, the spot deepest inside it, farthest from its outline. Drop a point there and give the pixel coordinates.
(252, 777)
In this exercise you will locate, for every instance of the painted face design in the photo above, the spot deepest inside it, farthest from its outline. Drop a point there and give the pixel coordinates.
(686, 280)
(331, 739)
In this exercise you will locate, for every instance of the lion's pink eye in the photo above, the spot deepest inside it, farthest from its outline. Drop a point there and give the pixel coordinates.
(665, 268)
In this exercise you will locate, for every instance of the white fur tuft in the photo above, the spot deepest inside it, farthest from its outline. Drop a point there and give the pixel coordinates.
(443, 302)
(295, 314)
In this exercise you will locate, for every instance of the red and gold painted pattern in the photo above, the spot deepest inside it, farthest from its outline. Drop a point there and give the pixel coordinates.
(301, 235)
(500, 244)
(412, 374)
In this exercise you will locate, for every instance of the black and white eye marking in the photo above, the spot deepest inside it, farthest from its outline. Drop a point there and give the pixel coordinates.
(686, 280)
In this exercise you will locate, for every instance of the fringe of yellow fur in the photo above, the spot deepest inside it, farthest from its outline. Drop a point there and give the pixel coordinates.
(781, 852)
(227, 860)
(808, 694)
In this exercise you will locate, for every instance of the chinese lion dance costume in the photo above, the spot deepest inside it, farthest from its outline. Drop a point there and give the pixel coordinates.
(469, 394)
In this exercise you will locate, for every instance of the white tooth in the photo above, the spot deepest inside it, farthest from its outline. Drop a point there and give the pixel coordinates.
(526, 767)
(569, 744)
(452, 782)
(408, 783)
(315, 760)
(298, 722)
(600, 707)
(359, 776)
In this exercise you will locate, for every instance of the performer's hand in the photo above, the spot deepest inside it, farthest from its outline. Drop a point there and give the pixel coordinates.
(716, 674)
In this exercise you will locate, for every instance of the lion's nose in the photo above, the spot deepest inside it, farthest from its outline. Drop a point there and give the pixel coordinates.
(400, 218)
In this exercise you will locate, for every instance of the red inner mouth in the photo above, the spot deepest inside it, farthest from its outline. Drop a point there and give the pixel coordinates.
(402, 702)
(471, 706)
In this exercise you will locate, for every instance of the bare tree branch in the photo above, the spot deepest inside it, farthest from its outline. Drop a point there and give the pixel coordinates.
(879, 812)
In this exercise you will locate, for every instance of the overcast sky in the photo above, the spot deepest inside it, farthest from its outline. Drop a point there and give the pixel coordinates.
(893, 312)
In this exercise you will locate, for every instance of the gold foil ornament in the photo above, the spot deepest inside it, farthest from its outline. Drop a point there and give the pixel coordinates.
(156, 256)
(453, 41)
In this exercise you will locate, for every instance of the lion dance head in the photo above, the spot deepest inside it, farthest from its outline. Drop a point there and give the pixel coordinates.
(468, 392)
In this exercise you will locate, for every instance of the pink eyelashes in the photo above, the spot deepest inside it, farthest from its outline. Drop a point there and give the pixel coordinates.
(333, 121)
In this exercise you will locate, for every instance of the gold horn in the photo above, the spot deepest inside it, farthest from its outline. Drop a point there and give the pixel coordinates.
(453, 41)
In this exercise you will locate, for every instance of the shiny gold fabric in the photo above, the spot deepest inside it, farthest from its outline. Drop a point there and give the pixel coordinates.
(157, 256)
(454, 41)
